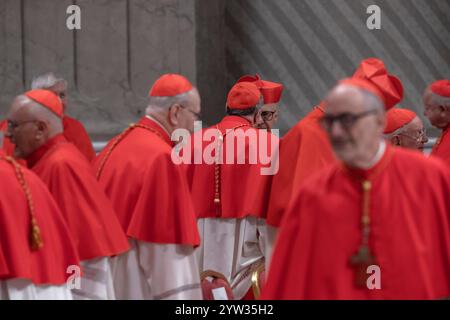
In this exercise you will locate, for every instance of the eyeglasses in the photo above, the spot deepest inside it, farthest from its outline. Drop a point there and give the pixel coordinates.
(267, 115)
(197, 115)
(419, 138)
(14, 124)
(347, 120)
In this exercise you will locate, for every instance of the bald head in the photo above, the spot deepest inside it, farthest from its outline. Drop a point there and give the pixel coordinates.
(30, 125)
(354, 122)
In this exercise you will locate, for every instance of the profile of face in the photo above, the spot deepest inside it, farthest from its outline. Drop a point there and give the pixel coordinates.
(24, 130)
(413, 135)
(60, 89)
(354, 126)
(438, 116)
(184, 116)
(268, 116)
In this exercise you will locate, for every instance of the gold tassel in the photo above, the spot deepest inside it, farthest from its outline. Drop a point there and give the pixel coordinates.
(35, 236)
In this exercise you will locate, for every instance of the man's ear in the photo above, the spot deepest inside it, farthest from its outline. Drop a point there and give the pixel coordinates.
(174, 114)
(42, 127)
(443, 110)
(395, 140)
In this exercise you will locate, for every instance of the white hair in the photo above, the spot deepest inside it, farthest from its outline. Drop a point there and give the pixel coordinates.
(46, 80)
(164, 103)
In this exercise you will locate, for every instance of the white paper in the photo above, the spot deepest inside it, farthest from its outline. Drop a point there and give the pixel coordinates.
(219, 294)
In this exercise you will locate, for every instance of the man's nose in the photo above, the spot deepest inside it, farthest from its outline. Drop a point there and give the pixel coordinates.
(258, 119)
(336, 129)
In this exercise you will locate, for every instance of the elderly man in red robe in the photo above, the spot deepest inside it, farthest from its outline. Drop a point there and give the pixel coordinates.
(36, 251)
(305, 149)
(74, 130)
(152, 198)
(230, 190)
(405, 129)
(35, 127)
(437, 110)
(376, 224)
(271, 92)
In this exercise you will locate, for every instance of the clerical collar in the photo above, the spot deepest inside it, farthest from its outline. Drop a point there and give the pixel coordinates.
(158, 123)
(37, 154)
(377, 157)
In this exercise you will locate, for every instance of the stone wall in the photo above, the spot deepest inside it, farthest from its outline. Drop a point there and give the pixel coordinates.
(124, 45)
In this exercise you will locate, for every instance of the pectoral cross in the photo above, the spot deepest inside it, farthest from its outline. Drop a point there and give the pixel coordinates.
(363, 258)
(359, 262)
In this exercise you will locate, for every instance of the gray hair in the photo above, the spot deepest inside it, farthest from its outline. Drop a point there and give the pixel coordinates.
(372, 101)
(46, 80)
(164, 103)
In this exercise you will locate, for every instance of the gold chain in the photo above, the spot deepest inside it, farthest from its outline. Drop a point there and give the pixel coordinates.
(116, 142)
(36, 241)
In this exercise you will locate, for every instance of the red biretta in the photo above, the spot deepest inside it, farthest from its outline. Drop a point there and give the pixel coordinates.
(374, 225)
(305, 149)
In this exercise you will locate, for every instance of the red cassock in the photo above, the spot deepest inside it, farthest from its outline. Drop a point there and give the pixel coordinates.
(87, 210)
(410, 232)
(75, 132)
(149, 193)
(47, 265)
(242, 188)
(442, 148)
(8, 146)
(304, 150)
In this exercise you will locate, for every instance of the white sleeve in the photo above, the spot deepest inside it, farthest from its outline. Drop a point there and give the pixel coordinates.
(171, 271)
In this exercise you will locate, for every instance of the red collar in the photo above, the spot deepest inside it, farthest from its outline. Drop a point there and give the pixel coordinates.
(40, 152)
(232, 122)
(157, 127)
(235, 120)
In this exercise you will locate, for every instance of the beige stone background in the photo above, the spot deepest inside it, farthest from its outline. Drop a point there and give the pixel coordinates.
(124, 45)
